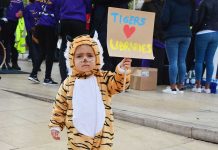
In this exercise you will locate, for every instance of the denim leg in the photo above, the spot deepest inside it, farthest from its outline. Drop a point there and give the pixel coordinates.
(172, 55)
(201, 44)
(209, 56)
(183, 49)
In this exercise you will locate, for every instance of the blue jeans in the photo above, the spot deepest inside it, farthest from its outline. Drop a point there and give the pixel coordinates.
(176, 49)
(205, 48)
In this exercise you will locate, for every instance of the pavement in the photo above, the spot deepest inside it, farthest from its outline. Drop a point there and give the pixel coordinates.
(193, 115)
(24, 126)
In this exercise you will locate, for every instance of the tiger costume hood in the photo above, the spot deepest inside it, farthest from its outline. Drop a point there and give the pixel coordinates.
(70, 51)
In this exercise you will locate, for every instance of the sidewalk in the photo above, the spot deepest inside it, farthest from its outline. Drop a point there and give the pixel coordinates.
(192, 115)
(24, 126)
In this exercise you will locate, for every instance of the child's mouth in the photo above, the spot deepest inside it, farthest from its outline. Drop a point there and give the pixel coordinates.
(85, 65)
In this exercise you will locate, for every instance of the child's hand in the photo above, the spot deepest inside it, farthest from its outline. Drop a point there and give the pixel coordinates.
(55, 134)
(126, 63)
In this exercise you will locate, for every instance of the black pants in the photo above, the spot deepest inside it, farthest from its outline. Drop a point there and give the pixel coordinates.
(29, 43)
(158, 62)
(190, 63)
(9, 38)
(34, 52)
(73, 28)
(47, 45)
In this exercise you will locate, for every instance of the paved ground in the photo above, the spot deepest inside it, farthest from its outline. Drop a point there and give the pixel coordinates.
(191, 114)
(23, 126)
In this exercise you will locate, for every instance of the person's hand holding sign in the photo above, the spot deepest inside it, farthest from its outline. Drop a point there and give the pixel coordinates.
(126, 63)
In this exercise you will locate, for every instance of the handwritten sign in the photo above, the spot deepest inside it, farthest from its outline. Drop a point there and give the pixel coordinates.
(130, 33)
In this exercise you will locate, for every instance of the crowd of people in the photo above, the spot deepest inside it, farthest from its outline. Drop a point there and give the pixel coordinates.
(177, 39)
(179, 23)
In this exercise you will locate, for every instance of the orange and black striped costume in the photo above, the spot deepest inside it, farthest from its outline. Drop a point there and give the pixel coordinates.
(109, 84)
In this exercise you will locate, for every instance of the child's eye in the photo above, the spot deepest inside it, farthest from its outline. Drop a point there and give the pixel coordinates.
(90, 55)
(78, 56)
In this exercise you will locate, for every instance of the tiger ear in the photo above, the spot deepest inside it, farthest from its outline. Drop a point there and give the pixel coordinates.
(100, 48)
(66, 55)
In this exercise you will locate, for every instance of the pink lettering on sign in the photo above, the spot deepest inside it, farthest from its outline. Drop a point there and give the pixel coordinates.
(128, 31)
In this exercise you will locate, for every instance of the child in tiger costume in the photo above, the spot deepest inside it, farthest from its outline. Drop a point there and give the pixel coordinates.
(83, 102)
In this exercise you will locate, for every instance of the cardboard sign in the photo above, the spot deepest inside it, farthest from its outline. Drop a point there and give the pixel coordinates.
(130, 33)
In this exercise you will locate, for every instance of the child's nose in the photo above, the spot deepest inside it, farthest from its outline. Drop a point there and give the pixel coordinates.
(85, 59)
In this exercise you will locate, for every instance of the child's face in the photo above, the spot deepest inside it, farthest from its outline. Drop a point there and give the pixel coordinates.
(84, 58)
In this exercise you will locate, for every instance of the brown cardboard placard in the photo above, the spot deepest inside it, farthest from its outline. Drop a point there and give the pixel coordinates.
(130, 33)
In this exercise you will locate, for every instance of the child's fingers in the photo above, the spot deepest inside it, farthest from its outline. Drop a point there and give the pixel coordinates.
(126, 63)
(55, 134)
(127, 60)
(127, 66)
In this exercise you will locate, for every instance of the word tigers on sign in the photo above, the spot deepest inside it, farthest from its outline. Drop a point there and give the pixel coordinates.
(131, 20)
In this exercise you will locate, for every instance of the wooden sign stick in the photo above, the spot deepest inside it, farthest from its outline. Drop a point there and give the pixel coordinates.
(124, 82)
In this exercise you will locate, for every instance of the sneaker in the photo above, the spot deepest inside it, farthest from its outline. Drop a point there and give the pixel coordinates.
(6, 66)
(197, 90)
(33, 78)
(206, 91)
(49, 82)
(15, 67)
(180, 91)
(169, 91)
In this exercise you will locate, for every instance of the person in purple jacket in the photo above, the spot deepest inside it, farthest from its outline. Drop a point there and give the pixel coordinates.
(73, 23)
(13, 13)
(46, 34)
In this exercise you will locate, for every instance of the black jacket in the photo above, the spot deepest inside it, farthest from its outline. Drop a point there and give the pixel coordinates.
(207, 16)
(177, 17)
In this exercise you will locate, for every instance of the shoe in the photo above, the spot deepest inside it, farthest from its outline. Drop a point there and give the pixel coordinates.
(16, 67)
(180, 91)
(197, 90)
(33, 78)
(6, 66)
(206, 91)
(170, 91)
(49, 82)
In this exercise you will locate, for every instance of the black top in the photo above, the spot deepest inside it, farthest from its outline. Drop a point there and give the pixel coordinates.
(207, 16)
(177, 17)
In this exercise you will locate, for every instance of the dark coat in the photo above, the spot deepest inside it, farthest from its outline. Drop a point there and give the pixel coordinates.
(207, 16)
(177, 17)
